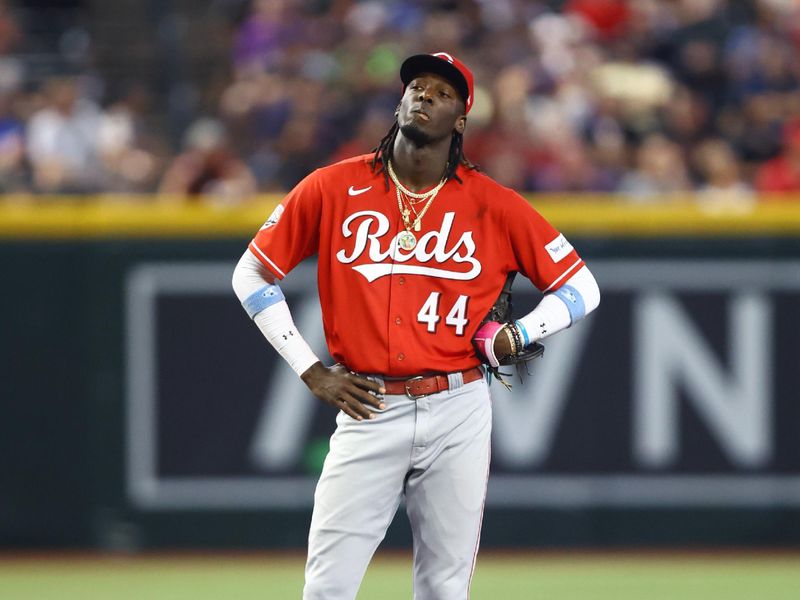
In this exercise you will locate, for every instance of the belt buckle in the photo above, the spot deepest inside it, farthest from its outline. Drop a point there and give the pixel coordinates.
(408, 392)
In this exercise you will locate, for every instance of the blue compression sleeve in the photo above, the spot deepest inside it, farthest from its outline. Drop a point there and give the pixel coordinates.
(262, 298)
(573, 300)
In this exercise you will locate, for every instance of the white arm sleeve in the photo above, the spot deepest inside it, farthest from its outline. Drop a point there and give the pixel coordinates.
(575, 299)
(263, 300)
(249, 276)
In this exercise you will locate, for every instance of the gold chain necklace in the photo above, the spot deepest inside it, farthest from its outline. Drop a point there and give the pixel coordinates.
(407, 240)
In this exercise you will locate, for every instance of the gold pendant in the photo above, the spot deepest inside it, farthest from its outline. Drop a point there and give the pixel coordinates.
(406, 240)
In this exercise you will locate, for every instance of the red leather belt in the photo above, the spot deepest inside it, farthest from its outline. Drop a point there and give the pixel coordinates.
(423, 385)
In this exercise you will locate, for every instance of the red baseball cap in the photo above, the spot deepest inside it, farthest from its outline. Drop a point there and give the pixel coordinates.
(442, 64)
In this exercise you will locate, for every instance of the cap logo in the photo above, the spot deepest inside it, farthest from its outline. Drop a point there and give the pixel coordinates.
(446, 56)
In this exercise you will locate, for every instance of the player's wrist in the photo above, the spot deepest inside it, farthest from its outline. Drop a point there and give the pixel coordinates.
(312, 372)
(516, 338)
(523, 332)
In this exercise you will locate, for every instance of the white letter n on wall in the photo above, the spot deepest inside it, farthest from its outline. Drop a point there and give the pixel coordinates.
(735, 404)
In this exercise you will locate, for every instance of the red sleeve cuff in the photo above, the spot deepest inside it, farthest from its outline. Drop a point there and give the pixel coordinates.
(265, 260)
(571, 270)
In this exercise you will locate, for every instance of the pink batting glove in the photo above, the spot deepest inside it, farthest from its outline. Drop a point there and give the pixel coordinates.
(484, 341)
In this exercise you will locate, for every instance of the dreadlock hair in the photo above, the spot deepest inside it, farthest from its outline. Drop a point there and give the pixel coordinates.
(383, 154)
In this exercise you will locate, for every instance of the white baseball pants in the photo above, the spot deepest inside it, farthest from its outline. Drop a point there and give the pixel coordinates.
(434, 452)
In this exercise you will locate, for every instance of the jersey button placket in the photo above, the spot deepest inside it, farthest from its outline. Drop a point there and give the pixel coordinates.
(395, 320)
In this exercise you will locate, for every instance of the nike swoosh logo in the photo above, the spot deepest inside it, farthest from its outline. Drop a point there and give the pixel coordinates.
(354, 192)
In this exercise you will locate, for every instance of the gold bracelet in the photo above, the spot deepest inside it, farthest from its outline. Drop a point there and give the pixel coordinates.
(511, 340)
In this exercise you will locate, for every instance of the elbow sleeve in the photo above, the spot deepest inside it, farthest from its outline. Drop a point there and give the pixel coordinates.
(580, 294)
(254, 285)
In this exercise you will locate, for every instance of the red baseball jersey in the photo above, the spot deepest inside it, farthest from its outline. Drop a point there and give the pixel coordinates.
(400, 312)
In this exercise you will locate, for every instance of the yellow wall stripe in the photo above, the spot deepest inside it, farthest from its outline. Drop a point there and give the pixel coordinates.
(140, 217)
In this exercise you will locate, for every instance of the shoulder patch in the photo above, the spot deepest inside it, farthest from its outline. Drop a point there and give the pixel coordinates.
(558, 248)
(274, 217)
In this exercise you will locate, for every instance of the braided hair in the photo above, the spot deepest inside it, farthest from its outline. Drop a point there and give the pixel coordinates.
(383, 154)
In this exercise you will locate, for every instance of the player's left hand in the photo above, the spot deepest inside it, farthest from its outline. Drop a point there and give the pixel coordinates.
(492, 345)
(344, 390)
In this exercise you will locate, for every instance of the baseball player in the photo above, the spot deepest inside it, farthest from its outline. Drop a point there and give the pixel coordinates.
(414, 244)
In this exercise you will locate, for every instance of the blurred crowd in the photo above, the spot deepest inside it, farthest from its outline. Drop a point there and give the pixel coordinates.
(644, 98)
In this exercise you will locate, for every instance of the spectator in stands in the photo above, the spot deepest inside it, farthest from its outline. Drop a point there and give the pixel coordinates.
(608, 18)
(572, 169)
(10, 33)
(721, 180)
(660, 170)
(62, 141)
(782, 173)
(128, 152)
(578, 95)
(694, 50)
(12, 149)
(371, 129)
(260, 43)
(11, 67)
(208, 167)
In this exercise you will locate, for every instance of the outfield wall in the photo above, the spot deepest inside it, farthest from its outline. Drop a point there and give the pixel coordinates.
(141, 408)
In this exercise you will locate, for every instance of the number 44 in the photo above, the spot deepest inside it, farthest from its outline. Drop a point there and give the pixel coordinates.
(457, 317)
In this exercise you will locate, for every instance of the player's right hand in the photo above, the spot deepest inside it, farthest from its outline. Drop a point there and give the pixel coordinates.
(344, 390)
